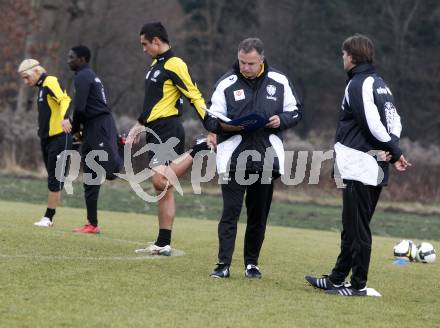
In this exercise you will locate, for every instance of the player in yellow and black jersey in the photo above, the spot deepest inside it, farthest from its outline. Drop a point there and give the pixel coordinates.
(53, 103)
(166, 82)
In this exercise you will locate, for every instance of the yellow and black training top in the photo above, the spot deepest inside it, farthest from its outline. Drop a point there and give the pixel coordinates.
(167, 80)
(53, 103)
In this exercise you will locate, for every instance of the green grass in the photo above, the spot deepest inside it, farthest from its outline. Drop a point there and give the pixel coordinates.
(117, 196)
(52, 277)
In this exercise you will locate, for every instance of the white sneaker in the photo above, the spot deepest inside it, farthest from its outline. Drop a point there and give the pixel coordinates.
(155, 250)
(44, 222)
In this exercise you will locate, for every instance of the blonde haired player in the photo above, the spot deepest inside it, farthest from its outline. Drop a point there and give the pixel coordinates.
(53, 127)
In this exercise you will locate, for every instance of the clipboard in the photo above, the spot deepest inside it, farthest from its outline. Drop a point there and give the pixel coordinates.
(250, 122)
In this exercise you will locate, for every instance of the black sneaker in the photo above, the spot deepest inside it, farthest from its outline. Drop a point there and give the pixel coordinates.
(347, 291)
(323, 283)
(220, 271)
(76, 143)
(199, 144)
(252, 272)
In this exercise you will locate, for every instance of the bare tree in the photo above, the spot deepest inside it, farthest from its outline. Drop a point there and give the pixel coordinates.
(213, 31)
(402, 14)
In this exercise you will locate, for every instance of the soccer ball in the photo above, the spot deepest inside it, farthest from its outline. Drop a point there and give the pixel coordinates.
(405, 249)
(425, 253)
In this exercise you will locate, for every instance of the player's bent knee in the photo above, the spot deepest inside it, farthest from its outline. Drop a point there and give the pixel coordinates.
(160, 183)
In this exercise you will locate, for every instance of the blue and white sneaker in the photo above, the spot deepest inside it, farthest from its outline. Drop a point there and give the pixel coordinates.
(323, 283)
(221, 270)
(252, 272)
(199, 144)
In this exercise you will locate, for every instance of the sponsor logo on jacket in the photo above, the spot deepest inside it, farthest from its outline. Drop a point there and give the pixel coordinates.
(383, 91)
(239, 95)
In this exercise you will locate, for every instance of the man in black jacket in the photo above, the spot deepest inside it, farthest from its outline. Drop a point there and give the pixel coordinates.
(248, 160)
(367, 138)
(94, 118)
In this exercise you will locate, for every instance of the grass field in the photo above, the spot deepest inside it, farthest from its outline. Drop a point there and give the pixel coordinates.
(54, 278)
(321, 213)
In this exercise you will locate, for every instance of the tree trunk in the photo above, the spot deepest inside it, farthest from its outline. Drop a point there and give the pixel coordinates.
(23, 91)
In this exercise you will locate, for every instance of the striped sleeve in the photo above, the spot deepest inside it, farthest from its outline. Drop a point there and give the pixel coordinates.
(361, 100)
(58, 94)
(180, 76)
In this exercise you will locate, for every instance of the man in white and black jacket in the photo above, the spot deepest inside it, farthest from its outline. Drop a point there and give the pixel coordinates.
(367, 138)
(248, 162)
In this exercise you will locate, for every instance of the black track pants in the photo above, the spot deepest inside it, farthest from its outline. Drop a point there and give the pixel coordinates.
(359, 203)
(258, 201)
